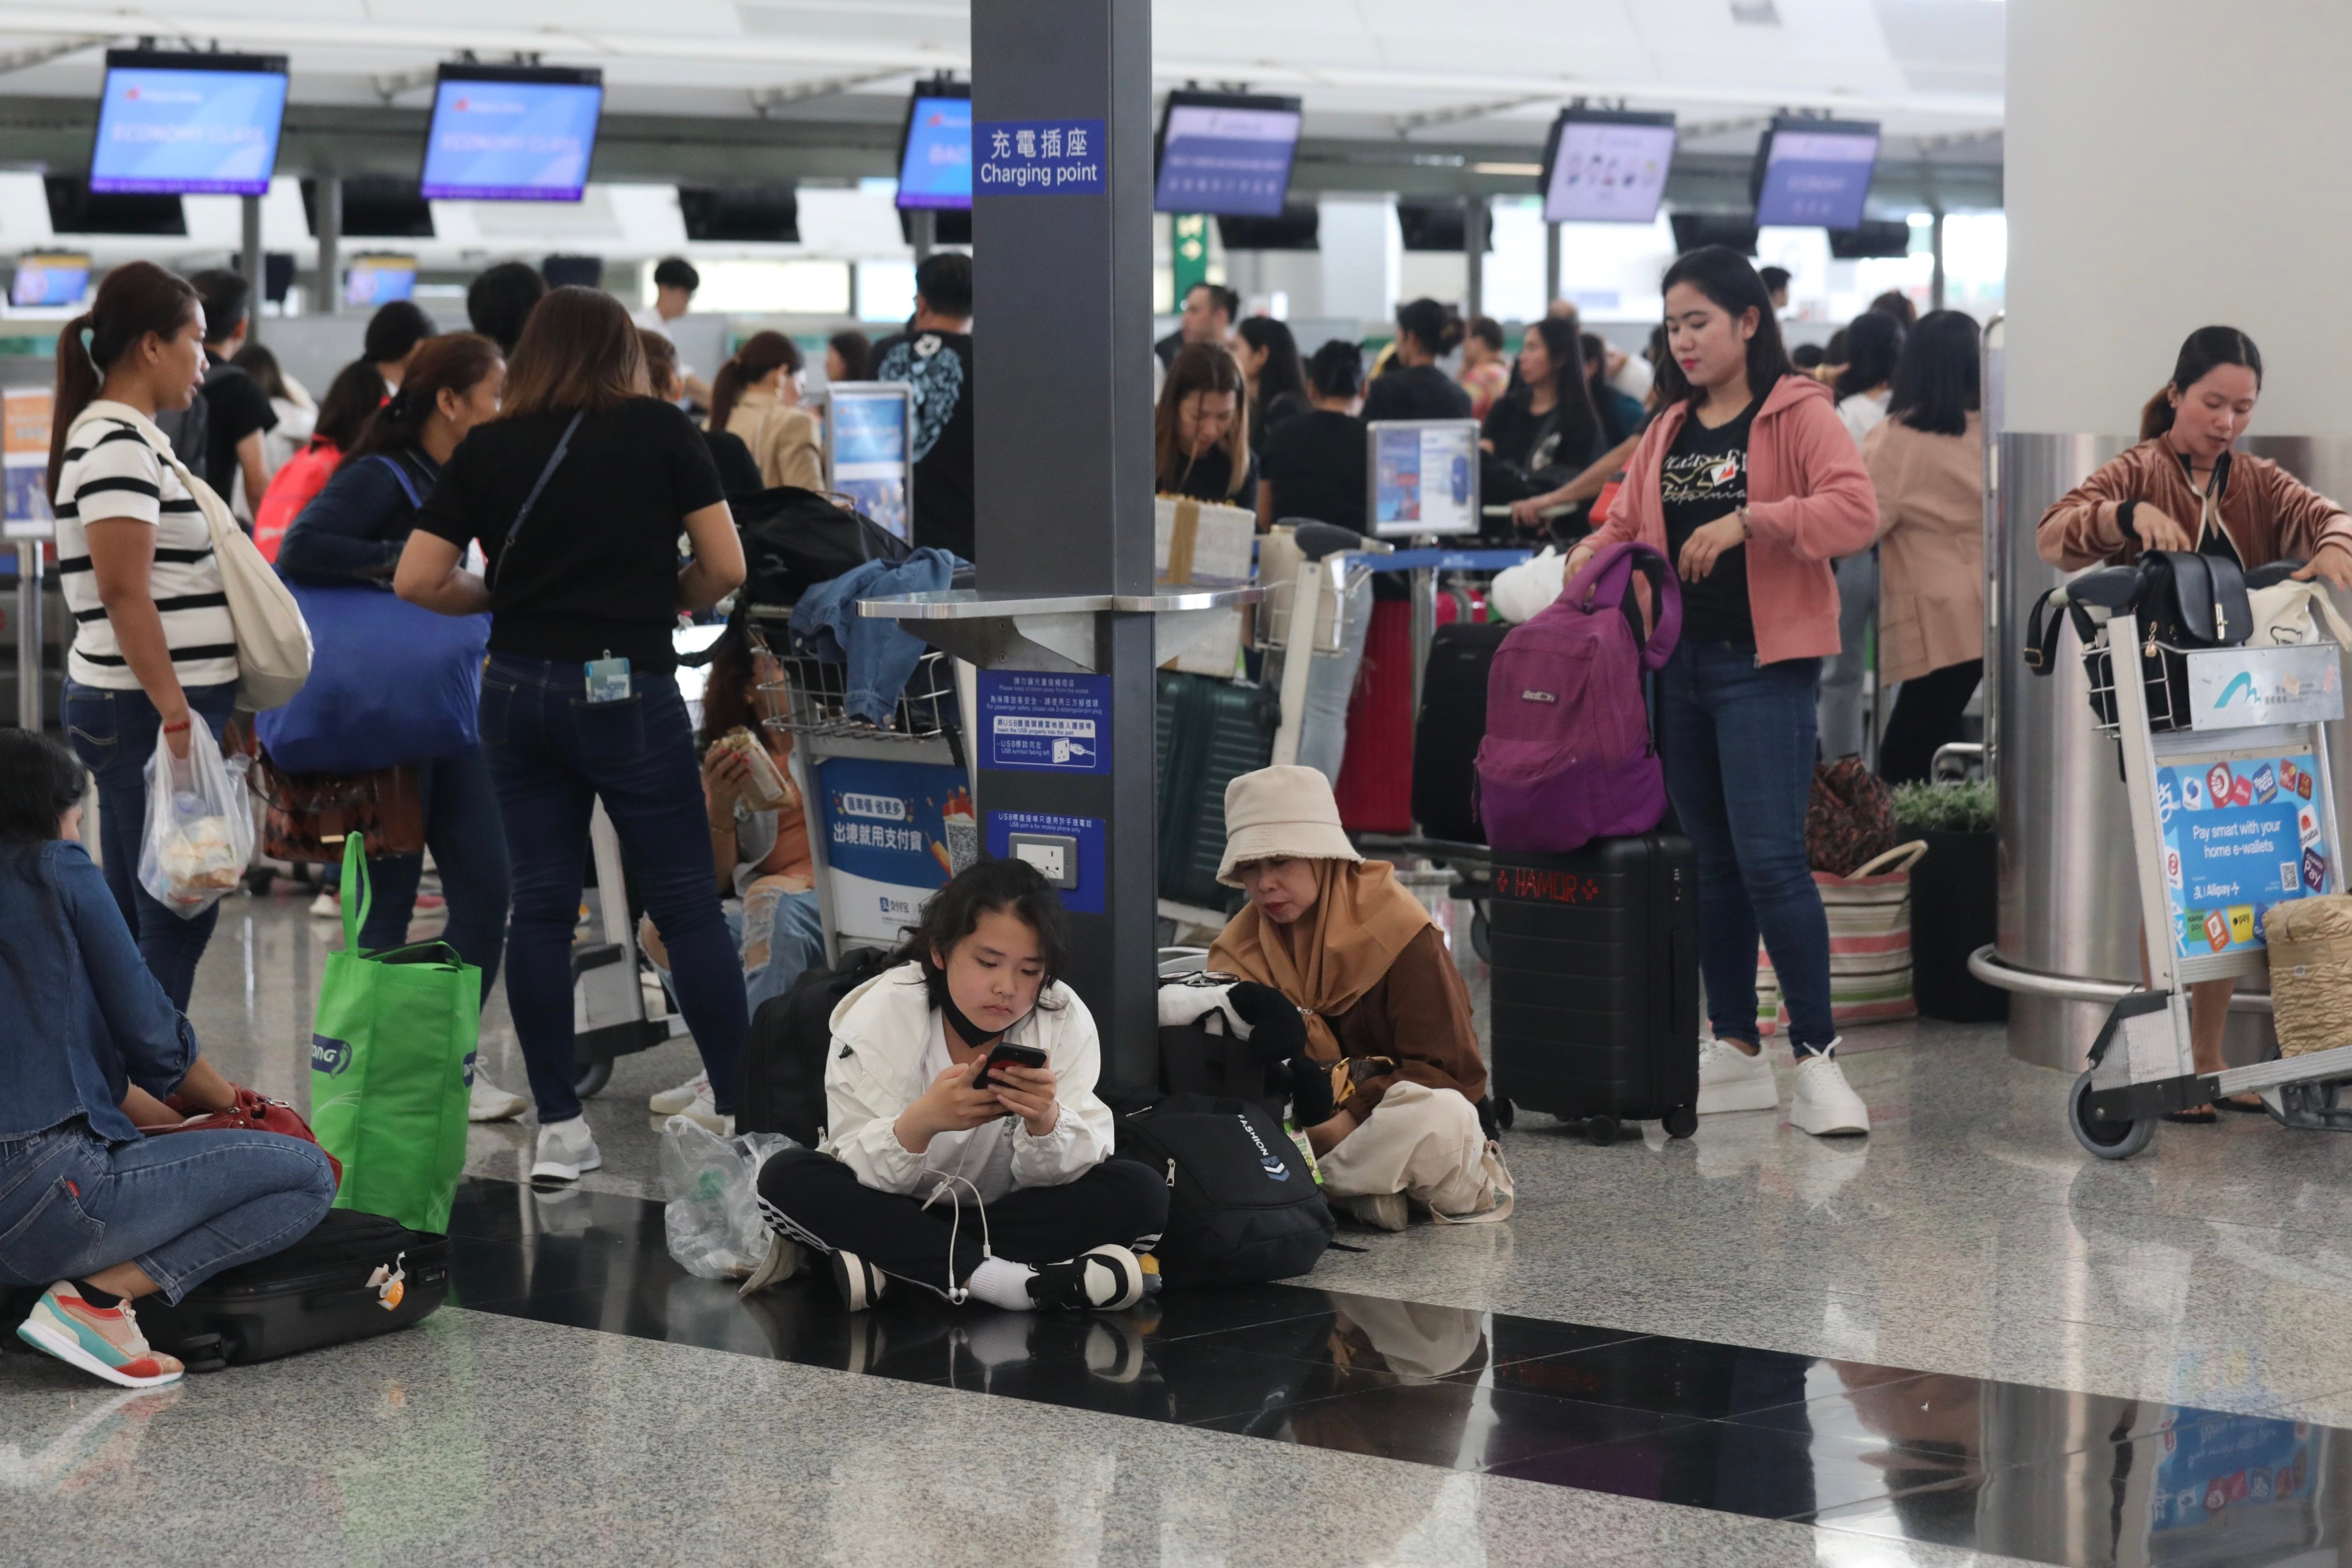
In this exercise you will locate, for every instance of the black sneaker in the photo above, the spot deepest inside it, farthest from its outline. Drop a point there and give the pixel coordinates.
(861, 1284)
(1106, 1280)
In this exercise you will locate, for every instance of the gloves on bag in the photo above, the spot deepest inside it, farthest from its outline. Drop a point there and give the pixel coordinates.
(1245, 1009)
(1311, 1100)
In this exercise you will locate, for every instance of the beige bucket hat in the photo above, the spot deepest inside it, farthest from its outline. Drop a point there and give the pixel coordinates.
(1285, 813)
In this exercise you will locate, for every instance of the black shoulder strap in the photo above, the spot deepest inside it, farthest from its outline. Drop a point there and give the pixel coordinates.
(554, 461)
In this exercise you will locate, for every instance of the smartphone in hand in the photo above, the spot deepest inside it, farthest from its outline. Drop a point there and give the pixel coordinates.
(1006, 1054)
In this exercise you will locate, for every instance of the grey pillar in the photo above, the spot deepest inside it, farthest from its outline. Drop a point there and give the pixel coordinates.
(1473, 254)
(330, 225)
(1063, 455)
(1935, 245)
(1551, 264)
(251, 264)
(32, 676)
(925, 227)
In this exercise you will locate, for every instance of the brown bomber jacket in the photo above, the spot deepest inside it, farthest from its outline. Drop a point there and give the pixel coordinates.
(2267, 513)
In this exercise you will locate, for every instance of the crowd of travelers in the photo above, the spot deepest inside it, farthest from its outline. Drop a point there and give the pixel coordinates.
(541, 471)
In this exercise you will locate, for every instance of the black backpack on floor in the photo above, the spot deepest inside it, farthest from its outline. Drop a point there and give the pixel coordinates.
(784, 1056)
(1243, 1205)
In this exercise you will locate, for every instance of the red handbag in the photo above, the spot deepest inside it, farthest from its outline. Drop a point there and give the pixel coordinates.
(253, 1112)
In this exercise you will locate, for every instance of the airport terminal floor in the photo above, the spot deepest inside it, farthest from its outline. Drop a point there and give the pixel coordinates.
(1961, 1341)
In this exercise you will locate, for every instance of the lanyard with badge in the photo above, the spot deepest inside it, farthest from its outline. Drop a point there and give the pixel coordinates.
(607, 679)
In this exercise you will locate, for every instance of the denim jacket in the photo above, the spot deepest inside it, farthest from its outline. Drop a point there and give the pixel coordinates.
(356, 527)
(86, 1018)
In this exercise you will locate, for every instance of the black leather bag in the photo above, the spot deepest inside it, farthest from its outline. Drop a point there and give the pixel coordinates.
(2185, 600)
(794, 539)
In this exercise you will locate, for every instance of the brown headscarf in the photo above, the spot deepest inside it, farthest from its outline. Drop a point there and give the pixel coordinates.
(1328, 959)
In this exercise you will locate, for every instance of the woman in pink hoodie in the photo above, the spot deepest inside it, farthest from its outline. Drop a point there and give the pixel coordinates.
(1747, 481)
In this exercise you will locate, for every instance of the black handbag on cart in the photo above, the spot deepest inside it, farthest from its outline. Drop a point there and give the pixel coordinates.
(2186, 601)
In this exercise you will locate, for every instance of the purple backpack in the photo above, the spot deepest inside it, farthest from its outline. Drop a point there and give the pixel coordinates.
(1568, 757)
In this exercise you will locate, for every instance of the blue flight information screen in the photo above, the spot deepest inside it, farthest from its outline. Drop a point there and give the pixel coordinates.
(1816, 179)
(170, 132)
(1231, 161)
(510, 141)
(935, 169)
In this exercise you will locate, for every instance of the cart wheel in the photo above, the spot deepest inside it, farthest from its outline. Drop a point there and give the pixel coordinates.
(1505, 1112)
(2108, 1140)
(588, 1077)
(1601, 1131)
(1480, 937)
(1682, 1121)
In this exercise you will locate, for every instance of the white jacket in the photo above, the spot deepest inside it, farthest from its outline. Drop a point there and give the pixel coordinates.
(875, 1073)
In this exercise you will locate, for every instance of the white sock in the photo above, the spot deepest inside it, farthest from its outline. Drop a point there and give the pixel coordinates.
(1002, 1284)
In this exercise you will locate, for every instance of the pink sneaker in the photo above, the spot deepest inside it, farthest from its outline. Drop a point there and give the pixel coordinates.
(102, 1340)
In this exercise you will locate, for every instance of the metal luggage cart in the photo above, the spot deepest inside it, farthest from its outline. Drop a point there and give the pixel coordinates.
(2232, 810)
(924, 737)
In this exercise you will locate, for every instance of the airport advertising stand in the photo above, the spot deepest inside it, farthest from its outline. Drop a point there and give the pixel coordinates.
(2232, 811)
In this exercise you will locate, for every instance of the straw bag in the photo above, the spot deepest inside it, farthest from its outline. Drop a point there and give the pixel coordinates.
(1870, 943)
(2310, 940)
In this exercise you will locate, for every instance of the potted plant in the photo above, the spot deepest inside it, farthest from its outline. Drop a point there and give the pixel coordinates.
(1954, 897)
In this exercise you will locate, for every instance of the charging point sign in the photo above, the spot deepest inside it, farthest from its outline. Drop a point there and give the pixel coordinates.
(1045, 722)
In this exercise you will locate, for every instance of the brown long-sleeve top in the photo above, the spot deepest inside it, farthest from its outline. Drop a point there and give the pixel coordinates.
(1417, 1015)
(2267, 513)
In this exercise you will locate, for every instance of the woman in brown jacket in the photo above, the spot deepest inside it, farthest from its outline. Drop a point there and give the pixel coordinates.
(1388, 1018)
(1926, 462)
(755, 397)
(2183, 488)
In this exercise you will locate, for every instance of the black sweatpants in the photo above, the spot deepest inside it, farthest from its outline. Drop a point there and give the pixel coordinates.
(1928, 711)
(815, 1198)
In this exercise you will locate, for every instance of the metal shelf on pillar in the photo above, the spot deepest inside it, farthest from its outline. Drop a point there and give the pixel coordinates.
(1053, 632)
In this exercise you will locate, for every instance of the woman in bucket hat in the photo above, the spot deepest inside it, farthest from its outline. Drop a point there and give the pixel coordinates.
(1389, 1089)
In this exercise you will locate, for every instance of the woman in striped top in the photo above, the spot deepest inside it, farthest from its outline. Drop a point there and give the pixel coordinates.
(153, 651)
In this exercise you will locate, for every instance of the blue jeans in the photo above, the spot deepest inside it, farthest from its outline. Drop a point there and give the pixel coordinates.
(552, 754)
(781, 935)
(881, 655)
(114, 734)
(1737, 739)
(470, 845)
(182, 1207)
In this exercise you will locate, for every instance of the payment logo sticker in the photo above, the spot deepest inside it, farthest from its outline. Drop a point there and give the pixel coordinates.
(2265, 782)
(2315, 870)
(2217, 782)
(2217, 929)
(2242, 791)
(2242, 923)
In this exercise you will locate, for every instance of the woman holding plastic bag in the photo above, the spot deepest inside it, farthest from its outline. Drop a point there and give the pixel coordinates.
(152, 673)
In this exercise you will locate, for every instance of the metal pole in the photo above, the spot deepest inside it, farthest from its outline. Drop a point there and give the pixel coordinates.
(1474, 255)
(252, 267)
(925, 227)
(329, 222)
(31, 677)
(1551, 264)
(1936, 245)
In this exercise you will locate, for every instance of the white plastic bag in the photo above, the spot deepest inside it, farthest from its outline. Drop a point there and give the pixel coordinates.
(1520, 593)
(713, 1218)
(199, 834)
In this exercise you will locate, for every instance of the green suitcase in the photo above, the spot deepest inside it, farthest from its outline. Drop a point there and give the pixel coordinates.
(1208, 732)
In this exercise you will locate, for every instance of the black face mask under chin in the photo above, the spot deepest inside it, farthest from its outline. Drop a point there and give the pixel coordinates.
(970, 1033)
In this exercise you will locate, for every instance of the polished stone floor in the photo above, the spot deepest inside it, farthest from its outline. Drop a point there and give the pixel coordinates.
(1962, 1342)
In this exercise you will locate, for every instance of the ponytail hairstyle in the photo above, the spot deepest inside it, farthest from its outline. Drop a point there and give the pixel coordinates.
(1006, 887)
(1436, 328)
(351, 400)
(1337, 370)
(2208, 348)
(133, 300)
(762, 356)
(454, 362)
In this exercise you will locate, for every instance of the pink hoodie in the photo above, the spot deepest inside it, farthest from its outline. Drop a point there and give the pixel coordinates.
(1810, 501)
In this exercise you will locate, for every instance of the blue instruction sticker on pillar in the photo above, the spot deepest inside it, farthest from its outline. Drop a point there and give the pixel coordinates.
(1037, 157)
(1051, 724)
(1045, 840)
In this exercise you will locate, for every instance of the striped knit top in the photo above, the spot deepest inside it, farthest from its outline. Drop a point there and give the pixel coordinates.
(112, 473)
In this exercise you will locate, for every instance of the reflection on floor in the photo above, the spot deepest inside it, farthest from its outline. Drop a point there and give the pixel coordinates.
(2037, 1473)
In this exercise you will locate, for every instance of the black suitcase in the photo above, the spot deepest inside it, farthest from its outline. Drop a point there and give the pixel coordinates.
(1596, 983)
(1453, 722)
(784, 1054)
(1209, 733)
(335, 1285)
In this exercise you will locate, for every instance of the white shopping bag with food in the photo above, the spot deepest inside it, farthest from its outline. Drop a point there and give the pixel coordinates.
(199, 833)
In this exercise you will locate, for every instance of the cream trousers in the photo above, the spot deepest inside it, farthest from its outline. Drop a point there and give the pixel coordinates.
(1427, 1144)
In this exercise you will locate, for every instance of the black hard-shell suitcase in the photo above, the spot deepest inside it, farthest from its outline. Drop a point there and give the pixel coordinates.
(1596, 983)
(784, 1054)
(354, 1277)
(1209, 733)
(1453, 722)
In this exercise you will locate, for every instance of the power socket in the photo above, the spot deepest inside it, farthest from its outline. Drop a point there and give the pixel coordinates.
(1055, 856)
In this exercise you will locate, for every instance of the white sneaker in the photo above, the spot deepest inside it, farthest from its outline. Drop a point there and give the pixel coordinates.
(1731, 1080)
(705, 1110)
(1380, 1210)
(670, 1102)
(489, 1103)
(1825, 1104)
(566, 1149)
(328, 905)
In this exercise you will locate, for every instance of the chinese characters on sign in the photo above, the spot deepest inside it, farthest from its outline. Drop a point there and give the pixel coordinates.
(1038, 157)
(1056, 723)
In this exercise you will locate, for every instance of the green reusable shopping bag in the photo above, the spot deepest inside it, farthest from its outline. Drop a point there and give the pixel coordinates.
(391, 1055)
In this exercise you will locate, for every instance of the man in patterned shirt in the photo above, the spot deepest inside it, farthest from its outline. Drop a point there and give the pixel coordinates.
(933, 356)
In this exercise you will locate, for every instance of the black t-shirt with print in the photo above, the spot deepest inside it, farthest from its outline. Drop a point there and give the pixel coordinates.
(1705, 475)
(937, 365)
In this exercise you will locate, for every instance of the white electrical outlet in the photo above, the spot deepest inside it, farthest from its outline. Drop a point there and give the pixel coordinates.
(1055, 855)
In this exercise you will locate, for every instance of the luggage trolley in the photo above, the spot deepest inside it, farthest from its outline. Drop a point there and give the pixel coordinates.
(2232, 810)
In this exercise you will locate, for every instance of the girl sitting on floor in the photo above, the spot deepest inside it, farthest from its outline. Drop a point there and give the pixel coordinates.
(917, 1130)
